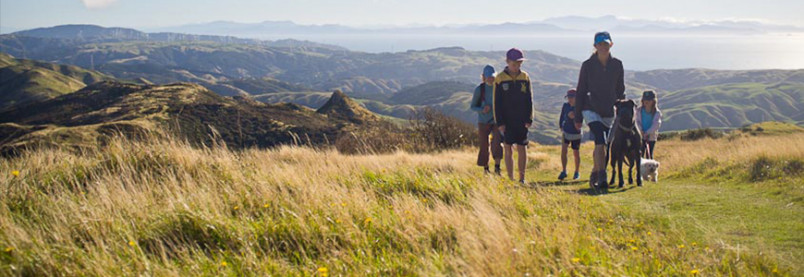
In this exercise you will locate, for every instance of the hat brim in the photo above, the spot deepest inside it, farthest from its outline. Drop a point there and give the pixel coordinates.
(605, 40)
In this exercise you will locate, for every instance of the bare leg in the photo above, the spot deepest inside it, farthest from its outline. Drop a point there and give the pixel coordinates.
(509, 160)
(522, 152)
(599, 156)
(564, 157)
(577, 155)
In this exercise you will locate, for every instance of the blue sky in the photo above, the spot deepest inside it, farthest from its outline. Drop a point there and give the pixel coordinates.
(23, 14)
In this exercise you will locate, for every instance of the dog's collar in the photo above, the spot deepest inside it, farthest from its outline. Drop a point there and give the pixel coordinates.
(624, 128)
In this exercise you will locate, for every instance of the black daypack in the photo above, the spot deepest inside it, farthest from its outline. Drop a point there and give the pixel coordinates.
(482, 95)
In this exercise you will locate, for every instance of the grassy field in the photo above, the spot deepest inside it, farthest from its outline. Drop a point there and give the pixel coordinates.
(731, 206)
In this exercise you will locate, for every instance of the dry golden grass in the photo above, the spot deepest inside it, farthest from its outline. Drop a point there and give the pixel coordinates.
(165, 208)
(676, 155)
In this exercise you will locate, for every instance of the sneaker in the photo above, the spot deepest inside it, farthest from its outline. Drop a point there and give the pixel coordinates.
(522, 182)
(593, 180)
(562, 175)
(576, 176)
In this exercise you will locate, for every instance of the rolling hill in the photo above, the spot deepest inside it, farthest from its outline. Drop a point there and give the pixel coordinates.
(27, 81)
(188, 111)
(129, 54)
(733, 105)
(395, 84)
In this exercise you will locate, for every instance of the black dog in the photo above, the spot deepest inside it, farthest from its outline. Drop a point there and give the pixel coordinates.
(626, 143)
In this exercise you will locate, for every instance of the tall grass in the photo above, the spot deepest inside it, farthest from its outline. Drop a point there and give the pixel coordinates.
(165, 208)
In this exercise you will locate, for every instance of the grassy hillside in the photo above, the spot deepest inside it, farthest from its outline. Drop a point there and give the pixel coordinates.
(732, 105)
(680, 79)
(188, 111)
(26, 81)
(160, 207)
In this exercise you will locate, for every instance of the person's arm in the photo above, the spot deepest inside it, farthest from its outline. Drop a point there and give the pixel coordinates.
(530, 103)
(562, 117)
(497, 105)
(582, 94)
(476, 100)
(621, 84)
(638, 118)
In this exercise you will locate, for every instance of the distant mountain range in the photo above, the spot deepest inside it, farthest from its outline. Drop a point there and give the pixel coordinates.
(566, 24)
(63, 59)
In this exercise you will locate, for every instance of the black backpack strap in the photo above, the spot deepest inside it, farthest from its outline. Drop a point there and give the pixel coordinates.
(482, 95)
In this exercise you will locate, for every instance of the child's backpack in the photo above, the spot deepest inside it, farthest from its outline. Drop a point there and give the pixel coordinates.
(482, 95)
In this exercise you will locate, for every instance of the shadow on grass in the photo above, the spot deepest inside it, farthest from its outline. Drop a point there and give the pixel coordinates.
(558, 183)
(611, 190)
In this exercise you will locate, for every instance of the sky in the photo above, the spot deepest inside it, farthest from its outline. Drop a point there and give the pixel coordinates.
(26, 14)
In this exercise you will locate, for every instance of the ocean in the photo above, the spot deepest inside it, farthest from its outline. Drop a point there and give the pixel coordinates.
(638, 52)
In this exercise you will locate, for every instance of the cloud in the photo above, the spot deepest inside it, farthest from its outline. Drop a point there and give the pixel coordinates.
(97, 4)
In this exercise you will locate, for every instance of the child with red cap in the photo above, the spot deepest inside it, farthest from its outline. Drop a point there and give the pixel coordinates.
(570, 136)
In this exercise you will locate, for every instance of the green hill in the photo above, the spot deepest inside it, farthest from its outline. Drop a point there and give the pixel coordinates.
(679, 79)
(25, 81)
(732, 105)
(321, 68)
(189, 111)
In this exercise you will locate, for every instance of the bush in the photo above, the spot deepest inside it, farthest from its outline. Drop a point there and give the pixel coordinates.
(427, 131)
(765, 168)
(697, 134)
(434, 131)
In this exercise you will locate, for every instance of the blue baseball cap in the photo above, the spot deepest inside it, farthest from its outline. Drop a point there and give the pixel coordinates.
(514, 54)
(488, 71)
(603, 37)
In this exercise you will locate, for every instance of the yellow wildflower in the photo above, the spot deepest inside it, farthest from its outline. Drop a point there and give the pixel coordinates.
(16, 173)
(576, 260)
(680, 246)
(9, 249)
(224, 264)
(323, 271)
(132, 243)
(694, 272)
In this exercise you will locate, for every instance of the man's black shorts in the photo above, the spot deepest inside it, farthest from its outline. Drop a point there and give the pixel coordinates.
(515, 134)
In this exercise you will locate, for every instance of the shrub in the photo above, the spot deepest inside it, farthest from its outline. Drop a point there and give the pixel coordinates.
(432, 131)
(427, 131)
(697, 134)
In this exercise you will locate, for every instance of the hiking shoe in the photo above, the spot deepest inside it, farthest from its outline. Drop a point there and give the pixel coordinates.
(593, 180)
(562, 175)
(497, 170)
(522, 182)
(576, 176)
(486, 170)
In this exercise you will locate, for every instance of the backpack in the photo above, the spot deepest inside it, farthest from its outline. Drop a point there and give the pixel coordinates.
(482, 95)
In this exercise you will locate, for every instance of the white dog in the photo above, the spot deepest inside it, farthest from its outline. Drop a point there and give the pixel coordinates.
(649, 170)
